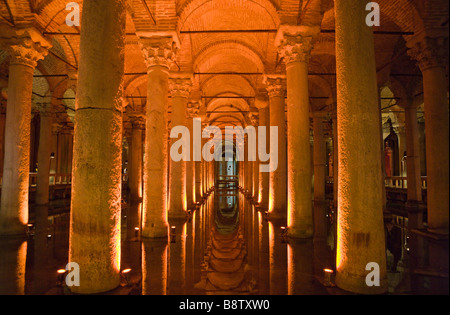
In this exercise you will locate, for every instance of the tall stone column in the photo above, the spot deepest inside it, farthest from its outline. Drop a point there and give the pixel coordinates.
(179, 88)
(278, 181)
(335, 160)
(319, 157)
(95, 241)
(26, 47)
(412, 152)
(264, 178)
(360, 226)
(191, 113)
(44, 152)
(255, 172)
(136, 161)
(159, 53)
(430, 54)
(295, 46)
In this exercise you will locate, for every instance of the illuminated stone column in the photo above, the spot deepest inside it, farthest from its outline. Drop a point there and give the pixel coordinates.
(360, 227)
(95, 241)
(159, 53)
(191, 180)
(179, 88)
(430, 54)
(26, 47)
(319, 157)
(255, 164)
(278, 181)
(295, 46)
(412, 151)
(264, 178)
(335, 159)
(135, 174)
(44, 152)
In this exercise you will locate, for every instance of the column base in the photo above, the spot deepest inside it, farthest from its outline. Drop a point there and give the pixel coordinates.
(155, 231)
(300, 233)
(12, 230)
(357, 284)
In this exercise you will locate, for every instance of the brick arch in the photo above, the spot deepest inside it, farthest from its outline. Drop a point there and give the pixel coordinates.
(261, 7)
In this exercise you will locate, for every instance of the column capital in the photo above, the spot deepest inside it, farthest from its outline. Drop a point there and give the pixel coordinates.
(275, 85)
(45, 109)
(261, 101)
(137, 120)
(193, 109)
(25, 46)
(296, 42)
(429, 52)
(253, 118)
(180, 85)
(158, 50)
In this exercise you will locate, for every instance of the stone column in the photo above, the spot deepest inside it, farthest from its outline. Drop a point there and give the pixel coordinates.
(360, 226)
(335, 160)
(136, 161)
(95, 242)
(191, 113)
(430, 54)
(278, 181)
(159, 53)
(295, 47)
(255, 172)
(264, 178)
(319, 158)
(412, 152)
(26, 47)
(179, 88)
(44, 152)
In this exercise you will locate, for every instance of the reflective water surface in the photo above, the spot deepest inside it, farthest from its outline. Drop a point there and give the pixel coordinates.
(226, 246)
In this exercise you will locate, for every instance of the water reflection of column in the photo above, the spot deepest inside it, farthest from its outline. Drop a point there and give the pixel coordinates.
(264, 255)
(40, 278)
(278, 260)
(255, 241)
(190, 239)
(154, 267)
(300, 267)
(12, 266)
(197, 219)
(177, 259)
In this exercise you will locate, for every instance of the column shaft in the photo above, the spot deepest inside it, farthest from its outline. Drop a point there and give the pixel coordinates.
(95, 242)
(278, 181)
(44, 151)
(360, 230)
(319, 160)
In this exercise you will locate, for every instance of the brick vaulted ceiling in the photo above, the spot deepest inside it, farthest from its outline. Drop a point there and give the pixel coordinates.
(215, 38)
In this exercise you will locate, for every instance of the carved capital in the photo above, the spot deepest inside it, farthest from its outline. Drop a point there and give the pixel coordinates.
(180, 86)
(253, 119)
(159, 51)
(296, 48)
(45, 109)
(25, 46)
(429, 52)
(137, 120)
(193, 110)
(275, 85)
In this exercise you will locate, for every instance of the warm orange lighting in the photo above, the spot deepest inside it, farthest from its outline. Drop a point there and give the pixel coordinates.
(61, 271)
(328, 271)
(125, 271)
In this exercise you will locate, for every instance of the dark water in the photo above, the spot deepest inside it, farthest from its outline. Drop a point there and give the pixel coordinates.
(225, 247)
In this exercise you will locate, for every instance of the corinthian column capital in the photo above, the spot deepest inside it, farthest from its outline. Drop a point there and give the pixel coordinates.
(429, 52)
(275, 85)
(180, 85)
(296, 42)
(25, 46)
(159, 50)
